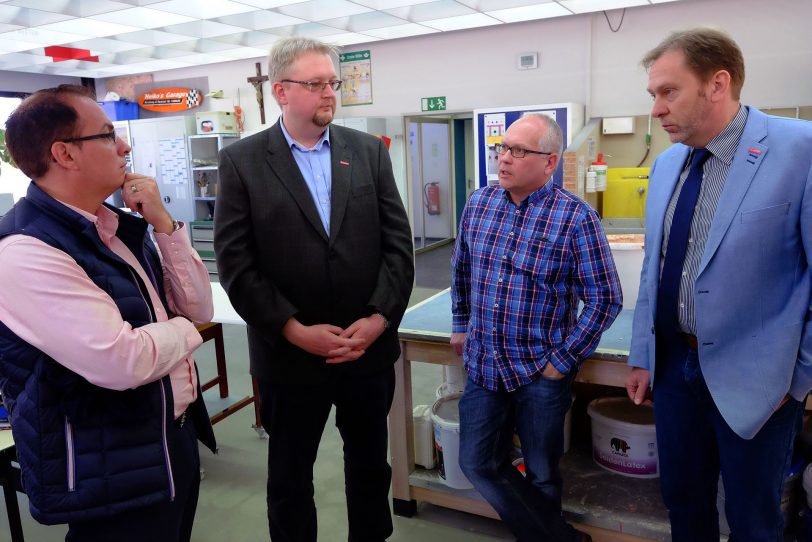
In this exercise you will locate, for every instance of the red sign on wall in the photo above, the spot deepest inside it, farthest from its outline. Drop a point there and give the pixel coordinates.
(170, 100)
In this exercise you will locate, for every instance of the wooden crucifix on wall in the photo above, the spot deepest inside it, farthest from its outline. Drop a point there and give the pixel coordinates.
(257, 82)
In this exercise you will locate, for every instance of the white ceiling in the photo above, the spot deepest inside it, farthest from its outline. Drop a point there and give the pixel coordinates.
(136, 36)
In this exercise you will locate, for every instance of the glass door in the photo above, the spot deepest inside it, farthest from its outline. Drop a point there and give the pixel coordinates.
(430, 181)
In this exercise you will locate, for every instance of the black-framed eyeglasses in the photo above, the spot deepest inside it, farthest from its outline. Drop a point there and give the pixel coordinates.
(315, 86)
(516, 152)
(111, 135)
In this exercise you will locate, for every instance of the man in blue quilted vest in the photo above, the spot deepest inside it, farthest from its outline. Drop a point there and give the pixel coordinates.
(97, 327)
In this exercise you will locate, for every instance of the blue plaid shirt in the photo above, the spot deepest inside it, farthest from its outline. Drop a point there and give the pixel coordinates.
(519, 272)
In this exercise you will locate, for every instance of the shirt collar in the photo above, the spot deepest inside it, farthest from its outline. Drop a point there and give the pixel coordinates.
(723, 146)
(105, 220)
(324, 139)
(534, 197)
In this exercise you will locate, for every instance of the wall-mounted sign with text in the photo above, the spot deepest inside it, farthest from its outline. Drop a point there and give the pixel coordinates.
(170, 100)
(356, 77)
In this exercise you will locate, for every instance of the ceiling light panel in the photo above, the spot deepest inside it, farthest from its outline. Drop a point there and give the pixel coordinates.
(348, 38)
(258, 20)
(365, 21)
(143, 17)
(589, 6)
(268, 4)
(463, 21)
(253, 38)
(529, 13)
(13, 46)
(43, 37)
(244, 52)
(73, 8)
(430, 11)
(201, 46)
(401, 31)
(151, 37)
(198, 9)
(89, 28)
(391, 4)
(202, 29)
(15, 60)
(104, 45)
(492, 5)
(307, 30)
(320, 10)
(23, 16)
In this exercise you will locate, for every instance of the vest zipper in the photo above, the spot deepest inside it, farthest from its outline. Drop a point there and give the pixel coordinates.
(166, 445)
(71, 453)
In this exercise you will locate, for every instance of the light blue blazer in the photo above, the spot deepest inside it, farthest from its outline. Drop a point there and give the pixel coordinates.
(752, 291)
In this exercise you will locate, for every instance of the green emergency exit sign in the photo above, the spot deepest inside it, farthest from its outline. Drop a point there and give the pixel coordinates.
(435, 103)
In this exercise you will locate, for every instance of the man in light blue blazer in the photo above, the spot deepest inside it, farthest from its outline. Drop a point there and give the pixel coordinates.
(722, 327)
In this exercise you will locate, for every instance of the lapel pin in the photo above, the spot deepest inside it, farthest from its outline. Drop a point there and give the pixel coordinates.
(754, 151)
(343, 163)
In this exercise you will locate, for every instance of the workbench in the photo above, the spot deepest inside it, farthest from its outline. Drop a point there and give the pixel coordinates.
(607, 505)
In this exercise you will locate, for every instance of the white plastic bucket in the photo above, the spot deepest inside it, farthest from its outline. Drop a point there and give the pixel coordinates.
(423, 436)
(445, 415)
(624, 439)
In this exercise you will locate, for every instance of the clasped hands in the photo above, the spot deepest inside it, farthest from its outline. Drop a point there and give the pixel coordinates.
(333, 343)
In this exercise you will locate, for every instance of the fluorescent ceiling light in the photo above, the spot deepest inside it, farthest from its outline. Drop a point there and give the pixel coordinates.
(143, 17)
(89, 28)
(348, 38)
(589, 6)
(400, 31)
(364, 21)
(529, 13)
(43, 37)
(390, 4)
(73, 8)
(202, 29)
(268, 4)
(249, 39)
(462, 22)
(203, 10)
(105, 45)
(319, 10)
(24, 16)
(259, 20)
(151, 37)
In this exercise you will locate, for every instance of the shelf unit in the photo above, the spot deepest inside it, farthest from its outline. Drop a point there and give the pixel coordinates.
(203, 153)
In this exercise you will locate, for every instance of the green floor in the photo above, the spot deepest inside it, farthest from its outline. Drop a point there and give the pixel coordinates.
(232, 496)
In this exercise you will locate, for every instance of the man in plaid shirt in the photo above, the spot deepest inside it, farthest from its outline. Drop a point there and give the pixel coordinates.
(527, 253)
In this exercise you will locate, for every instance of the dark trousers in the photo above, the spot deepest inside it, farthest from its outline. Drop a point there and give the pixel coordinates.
(163, 522)
(529, 505)
(294, 417)
(695, 444)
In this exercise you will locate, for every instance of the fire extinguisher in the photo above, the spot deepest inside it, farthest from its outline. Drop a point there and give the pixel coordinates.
(431, 191)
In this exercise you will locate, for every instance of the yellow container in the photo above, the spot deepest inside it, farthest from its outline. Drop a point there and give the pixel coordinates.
(626, 191)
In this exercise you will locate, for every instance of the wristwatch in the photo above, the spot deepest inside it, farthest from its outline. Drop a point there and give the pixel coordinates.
(386, 322)
(175, 226)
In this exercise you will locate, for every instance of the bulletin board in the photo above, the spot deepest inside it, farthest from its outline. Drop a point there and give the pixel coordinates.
(492, 123)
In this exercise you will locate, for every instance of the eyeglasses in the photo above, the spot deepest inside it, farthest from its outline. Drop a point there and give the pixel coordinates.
(111, 135)
(516, 152)
(314, 86)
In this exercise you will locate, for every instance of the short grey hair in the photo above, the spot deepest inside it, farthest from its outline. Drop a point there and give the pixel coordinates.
(284, 52)
(553, 137)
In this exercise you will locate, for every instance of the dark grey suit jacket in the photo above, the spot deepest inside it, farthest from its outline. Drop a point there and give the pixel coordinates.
(275, 259)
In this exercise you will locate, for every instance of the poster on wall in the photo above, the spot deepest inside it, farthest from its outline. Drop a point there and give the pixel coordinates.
(356, 75)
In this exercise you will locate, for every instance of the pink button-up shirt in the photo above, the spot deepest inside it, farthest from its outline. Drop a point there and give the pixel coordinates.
(49, 301)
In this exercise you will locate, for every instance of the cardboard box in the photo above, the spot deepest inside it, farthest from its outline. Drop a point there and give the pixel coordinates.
(216, 122)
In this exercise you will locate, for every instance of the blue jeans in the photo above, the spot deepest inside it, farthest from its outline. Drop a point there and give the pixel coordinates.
(695, 444)
(530, 506)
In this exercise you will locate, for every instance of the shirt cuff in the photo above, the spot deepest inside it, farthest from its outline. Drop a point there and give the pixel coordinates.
(562, 360)
(459, 323)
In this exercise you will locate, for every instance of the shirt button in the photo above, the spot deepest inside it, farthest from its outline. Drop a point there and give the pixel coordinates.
(510, 234)
(516, 211)
(682, 305)
(500, 279)
(690, 239)
(495, 353)
(685, 273)
(496, 305)
(504, 256)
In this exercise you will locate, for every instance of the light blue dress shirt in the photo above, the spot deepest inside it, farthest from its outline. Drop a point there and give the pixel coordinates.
(314, 163)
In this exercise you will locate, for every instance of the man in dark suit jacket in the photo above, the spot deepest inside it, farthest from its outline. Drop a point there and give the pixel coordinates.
(315, 252)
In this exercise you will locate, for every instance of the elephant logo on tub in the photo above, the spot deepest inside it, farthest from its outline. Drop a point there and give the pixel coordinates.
(619, 445)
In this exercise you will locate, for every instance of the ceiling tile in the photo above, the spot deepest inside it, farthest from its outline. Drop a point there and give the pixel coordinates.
(390, 4)
(14, 60)
(348, 38)
(268, 4)
(43, 37)
(15, 45)
(104, 45)
(201, 46)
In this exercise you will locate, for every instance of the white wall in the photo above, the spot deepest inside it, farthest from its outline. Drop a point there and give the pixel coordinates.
(30, 82)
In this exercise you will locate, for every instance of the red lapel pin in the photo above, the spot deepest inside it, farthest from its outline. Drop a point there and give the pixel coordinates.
(343, 163)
